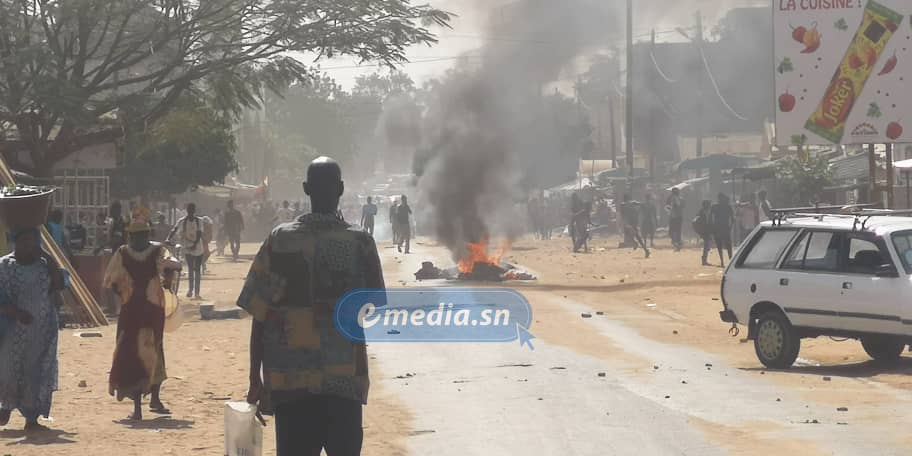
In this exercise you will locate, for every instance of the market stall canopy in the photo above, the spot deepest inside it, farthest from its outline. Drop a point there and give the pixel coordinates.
(571, 186)
(620, 174)
(756, 173)
(689, 183)
(717, 161)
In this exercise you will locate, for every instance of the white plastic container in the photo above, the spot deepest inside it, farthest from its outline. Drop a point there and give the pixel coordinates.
(243, 433)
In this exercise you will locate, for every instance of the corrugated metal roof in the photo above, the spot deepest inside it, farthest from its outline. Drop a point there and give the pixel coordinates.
(849, 168)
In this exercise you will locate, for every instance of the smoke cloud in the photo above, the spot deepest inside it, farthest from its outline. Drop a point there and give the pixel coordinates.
(479, 119)
(482, 129)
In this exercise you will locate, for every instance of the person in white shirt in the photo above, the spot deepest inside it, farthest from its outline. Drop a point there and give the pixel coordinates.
(190, 230)
(285, 214)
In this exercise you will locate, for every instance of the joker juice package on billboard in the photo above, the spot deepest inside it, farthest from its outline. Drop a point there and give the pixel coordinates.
(843, 71)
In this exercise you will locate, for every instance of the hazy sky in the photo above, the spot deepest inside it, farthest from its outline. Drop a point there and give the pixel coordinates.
(469, 32)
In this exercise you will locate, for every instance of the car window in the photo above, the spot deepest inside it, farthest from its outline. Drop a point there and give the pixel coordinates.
(864, 256)
(766, 249)
(903, 244)
(817, 251)
(795, 259)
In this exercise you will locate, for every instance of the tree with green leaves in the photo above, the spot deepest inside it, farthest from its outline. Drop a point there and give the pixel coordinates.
(801, 182)
(190, 146)
(69, 68)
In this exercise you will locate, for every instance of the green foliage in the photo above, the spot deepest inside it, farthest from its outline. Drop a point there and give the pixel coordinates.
(190, 146)
(318, 117)
(74, 65)
(802, 182)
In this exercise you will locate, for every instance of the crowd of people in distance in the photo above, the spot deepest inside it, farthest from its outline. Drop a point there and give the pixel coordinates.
(588, 211)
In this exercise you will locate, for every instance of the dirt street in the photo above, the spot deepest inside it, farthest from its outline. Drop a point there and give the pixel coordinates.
(674, 381)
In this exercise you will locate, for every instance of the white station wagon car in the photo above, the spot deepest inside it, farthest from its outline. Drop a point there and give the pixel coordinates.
(811, 275)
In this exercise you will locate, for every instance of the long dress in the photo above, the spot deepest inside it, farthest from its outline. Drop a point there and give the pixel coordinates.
(139, 357)
(28, 353)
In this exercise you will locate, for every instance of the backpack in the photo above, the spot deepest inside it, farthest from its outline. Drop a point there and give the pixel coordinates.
(699, 225)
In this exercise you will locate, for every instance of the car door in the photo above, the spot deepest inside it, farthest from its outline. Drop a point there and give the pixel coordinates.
(901, 244)
(867, 302)
(809, 279)
(752, 277)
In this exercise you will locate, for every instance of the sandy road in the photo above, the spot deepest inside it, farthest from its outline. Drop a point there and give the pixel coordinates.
(662, 393)
(658, 329)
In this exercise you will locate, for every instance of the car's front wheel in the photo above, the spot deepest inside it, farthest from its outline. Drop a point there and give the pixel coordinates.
(776, 342)
(883, 348)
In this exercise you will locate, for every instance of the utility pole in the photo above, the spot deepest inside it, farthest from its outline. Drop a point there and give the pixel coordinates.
(891, 201)
(614, 141)
(698, 40)
(579, 108)
(629, 122)
(652, 157)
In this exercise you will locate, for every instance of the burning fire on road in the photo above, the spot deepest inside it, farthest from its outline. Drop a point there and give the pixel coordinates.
(480, 254)
(479, 262)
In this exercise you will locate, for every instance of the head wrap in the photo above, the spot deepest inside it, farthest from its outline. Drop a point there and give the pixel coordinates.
(139, 221)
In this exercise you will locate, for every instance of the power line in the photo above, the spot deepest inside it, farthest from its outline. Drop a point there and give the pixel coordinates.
(716, 87)
(379, 65)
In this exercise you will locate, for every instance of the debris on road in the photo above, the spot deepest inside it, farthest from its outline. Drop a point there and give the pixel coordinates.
(209, 312)
(427, 272)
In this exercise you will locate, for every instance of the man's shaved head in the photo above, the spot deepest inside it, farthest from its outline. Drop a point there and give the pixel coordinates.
(324, 185)
(324, 169)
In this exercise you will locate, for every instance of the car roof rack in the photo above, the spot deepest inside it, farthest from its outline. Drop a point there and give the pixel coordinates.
(862, 213)
(819, 212)
(868, 213)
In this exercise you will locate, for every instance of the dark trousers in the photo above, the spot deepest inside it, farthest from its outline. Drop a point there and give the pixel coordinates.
(194, 273)
(234, 239)
(649, 234)
(405, 237)
(674, 231)
(707, 247)
(308, 425)
(723, 242)
(634, 233)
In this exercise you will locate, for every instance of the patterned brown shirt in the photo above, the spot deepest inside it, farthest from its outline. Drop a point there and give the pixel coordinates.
(298, 275)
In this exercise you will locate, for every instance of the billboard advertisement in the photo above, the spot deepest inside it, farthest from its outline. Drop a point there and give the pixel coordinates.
(843, 71)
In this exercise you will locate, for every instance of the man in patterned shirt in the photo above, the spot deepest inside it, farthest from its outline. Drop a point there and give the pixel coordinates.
(315, 379)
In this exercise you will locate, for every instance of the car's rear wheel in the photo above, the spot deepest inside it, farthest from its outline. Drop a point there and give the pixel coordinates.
(883, 348)
(776, 342)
